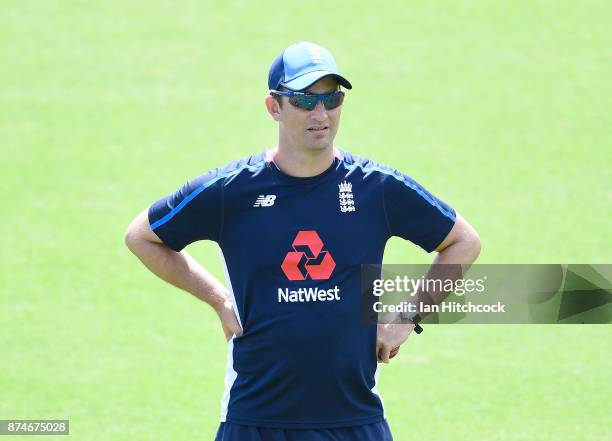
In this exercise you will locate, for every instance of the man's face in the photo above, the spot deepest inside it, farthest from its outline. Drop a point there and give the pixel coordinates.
(310, 129)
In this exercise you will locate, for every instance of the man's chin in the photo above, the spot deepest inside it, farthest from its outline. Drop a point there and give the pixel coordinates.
(321, 144)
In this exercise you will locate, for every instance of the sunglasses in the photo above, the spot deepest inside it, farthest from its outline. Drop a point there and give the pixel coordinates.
(308, 101)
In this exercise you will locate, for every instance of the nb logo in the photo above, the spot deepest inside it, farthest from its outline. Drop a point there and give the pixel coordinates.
(265, 201)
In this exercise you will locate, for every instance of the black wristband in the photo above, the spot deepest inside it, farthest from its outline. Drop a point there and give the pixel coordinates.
(415, 318)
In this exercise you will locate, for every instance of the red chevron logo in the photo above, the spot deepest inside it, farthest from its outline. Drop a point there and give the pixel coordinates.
(308, 258)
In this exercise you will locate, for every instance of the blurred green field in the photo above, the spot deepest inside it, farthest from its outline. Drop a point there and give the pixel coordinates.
(500, 108)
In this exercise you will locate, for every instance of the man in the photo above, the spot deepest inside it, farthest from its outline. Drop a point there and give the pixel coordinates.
(294, 224)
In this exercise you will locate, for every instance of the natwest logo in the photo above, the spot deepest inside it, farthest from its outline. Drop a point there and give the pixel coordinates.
(308, 258)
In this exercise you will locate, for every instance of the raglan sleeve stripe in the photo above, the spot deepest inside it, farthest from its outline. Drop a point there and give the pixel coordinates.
(189, 214)
(415, 214)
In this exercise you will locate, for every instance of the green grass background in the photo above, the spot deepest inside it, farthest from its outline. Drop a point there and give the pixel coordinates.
(501, 108)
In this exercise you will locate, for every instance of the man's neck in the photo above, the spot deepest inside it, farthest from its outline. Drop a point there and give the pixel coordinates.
(303, 163)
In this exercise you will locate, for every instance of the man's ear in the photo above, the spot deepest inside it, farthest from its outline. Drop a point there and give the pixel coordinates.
(273, 108)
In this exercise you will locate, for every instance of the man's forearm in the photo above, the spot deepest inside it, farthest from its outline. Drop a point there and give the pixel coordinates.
(179, 269)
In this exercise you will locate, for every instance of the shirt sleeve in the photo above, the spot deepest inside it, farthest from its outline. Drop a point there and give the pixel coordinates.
(415, 214)
(191, 213)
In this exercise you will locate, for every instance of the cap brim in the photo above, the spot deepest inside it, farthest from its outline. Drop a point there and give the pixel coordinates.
(304, 81)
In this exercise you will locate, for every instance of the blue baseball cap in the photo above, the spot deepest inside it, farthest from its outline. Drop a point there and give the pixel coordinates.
(301, 65)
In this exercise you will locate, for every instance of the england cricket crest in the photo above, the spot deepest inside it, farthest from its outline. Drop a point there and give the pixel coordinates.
(315, 54)
(345, 197)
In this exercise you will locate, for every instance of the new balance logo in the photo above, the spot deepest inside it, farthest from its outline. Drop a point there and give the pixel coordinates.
(265, 201)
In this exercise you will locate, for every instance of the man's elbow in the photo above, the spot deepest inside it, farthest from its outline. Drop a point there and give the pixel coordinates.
(130, 238)
(465, 241)
(134, 235)
(138, 235)
(473, 245)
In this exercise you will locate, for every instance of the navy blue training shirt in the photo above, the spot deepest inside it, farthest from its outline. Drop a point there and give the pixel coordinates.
(292, 249)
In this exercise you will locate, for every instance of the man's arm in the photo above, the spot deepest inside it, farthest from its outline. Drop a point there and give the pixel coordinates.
(181, 270)
(461, 247)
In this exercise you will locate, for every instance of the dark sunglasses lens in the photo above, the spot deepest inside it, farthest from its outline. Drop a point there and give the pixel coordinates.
(303, 101)
(333, 100)
(309, 102)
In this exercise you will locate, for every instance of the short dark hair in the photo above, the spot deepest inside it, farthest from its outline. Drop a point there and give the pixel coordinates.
(278, 98)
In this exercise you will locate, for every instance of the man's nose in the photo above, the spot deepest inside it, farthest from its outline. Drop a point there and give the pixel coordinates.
(320, 112)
